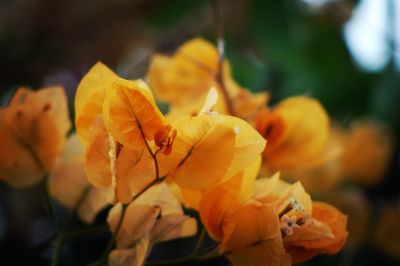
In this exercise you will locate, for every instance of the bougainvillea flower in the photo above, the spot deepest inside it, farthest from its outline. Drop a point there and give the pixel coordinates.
(68, 182)
(116, 119)
(154, 217)
(33, 130)
(185, 76)
(210, 148)
(195, 162)
(89, 99)
(297, 131)
(229, 194)
(275, 221)
(319, 227)
(131, 115)
(135, 170)
(240, 186)
(184, 79)
(97, 160)
(367, 151)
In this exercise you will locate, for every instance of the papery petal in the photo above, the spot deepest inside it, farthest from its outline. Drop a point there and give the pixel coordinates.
(33, 129)
(195, 162)
(89, 98)
(135, 170)
(303, 135)
(19, 165)
(138, 221)
(135, 256)
(255, 237)
(274, 189)
(317, 244)
(374, 140)
(97, 160)
(130, 114)
(248, 145)
(172, 226)
(214, 204)
(67, 184)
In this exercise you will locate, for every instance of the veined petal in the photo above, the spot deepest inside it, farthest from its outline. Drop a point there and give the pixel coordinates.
(202, 152)
(89, 98)
(130, 114)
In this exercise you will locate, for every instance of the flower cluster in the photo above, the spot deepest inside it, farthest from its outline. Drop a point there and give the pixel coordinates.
(212, 152)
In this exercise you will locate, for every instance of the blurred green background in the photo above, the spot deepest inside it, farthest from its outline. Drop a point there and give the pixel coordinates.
(343, 52)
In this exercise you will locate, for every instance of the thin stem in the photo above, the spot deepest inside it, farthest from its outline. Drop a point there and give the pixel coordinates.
(219, 75)
(199, 242)
(49, 203)
(62, 232)
(152, 154)
(57, 250)
(152, 183)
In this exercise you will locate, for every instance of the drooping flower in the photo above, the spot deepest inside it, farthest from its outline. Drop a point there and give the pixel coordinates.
(33, 130)
(154, 217)
(367, 151)
(274, 225)
(184, 79)
(118, 120)
(210, 148)
(297, 131)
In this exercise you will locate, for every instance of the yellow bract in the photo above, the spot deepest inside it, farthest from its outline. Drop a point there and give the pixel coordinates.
(297, 131)
(154, 217)
(185, 76)
(273, 224)
(184, 79)
(33, 130)
(89, 98)
(114, 118)
(130, 114)
(97, 160)
(367, 151)
(135, 170)
(202, 152)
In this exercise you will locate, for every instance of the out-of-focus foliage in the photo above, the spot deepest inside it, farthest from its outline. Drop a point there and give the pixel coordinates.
(283, 47)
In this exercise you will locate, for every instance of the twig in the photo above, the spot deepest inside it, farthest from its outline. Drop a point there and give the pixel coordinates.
(219, 75)
(62, 232)
(111, 243)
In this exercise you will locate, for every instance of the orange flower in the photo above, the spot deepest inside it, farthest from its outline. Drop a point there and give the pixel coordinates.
(33, 129)
(311, 242)
(154, 217)
(116, 119)
(184, 79)
(68, 182)
(278, 219)
(210, 148)
(297, 131)
(367, 151)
